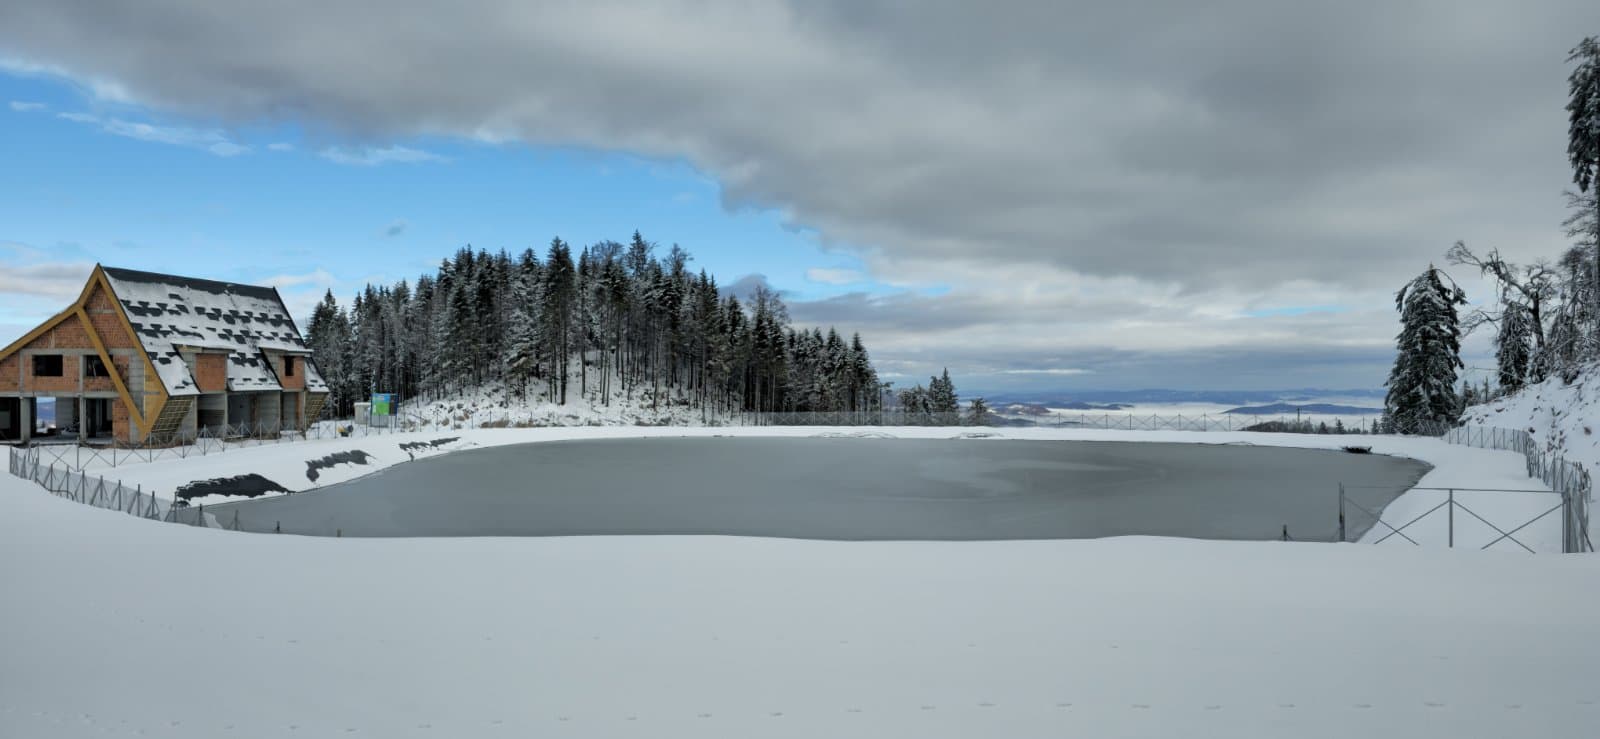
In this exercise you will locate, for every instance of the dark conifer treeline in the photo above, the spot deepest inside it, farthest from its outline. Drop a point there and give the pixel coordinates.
(614, 320)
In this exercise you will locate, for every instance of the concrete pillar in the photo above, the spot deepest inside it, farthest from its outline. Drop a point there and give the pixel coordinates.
(83, 415)
(27, 419)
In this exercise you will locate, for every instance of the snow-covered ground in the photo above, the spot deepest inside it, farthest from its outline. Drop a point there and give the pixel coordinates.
(1562, 419)
(115, 626)
(491, 404)
(1197, 416)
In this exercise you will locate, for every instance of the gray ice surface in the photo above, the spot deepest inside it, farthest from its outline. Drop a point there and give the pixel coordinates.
(857, 489)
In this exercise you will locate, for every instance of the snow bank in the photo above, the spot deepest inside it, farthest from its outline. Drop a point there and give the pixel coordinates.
(491, 404)
(122, 627)
(1562, 419)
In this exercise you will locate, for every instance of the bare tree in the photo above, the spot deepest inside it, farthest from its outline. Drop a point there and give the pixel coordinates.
(1533, 286)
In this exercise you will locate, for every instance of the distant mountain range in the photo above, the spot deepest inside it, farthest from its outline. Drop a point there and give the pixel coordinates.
(1288, 409)
(1098, 399)
(1037, 409)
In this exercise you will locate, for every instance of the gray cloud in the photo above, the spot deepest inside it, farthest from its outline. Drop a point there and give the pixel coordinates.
(1256, 140)
(745, 287)
(56, 280)
(1055, 163)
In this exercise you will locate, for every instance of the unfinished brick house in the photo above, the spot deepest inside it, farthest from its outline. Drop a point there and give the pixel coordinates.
(146, 358)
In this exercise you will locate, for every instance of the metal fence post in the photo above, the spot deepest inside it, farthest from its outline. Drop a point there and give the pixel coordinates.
(1452, 511)
(1341, 513)
(1566, 523)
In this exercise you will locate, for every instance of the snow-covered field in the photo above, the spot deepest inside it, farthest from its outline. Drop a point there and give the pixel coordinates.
(115, 626)
(1195, 415)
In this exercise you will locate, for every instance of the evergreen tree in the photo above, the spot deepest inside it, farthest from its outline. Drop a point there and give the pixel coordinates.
(942, 394)
(643, 322)
(558, 292)
(1583, 135)
(915, 401)
(522, 325)
(1422, 385)
(1513, 346)
(978, 412)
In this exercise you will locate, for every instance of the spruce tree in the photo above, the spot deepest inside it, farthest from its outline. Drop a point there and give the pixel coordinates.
(1422, 386)
(978, 412)
(942, 394)
(1583, 132)
(1513, 346)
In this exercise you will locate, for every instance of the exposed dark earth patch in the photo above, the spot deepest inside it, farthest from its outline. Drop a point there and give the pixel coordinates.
(354, 456)
(249, 486)
(419, 446)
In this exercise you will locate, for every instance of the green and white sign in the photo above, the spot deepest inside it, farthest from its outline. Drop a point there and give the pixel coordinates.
(383, 404)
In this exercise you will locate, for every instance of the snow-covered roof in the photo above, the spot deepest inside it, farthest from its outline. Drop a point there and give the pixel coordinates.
(169, 311)
(314, 381)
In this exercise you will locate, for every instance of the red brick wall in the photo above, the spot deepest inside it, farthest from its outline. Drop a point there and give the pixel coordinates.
(68, 334)
(93, 384)
(106, 317)
(298, 382)
(9, 379)
(121, 425)
(66, 383)
(99, 300)
(211, 372)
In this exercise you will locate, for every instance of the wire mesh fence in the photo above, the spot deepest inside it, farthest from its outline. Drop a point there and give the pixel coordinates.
(100, 492)
(213, 440)
(1487, 518)
(1570, 479)
(1329, 424)
(1478, 518)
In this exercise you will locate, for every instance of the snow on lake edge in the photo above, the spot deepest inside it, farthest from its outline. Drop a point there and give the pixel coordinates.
(175, 631)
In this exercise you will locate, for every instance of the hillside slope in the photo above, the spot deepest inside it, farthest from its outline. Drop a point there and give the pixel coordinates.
(1564, 419)
(493, 404)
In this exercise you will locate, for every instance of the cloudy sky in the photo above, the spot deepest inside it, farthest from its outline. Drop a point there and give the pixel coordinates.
(1037, 194)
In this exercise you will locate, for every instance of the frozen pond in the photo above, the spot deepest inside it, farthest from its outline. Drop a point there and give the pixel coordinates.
(852, 488)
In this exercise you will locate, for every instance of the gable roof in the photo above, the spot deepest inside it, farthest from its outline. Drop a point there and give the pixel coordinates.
(168, 311)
